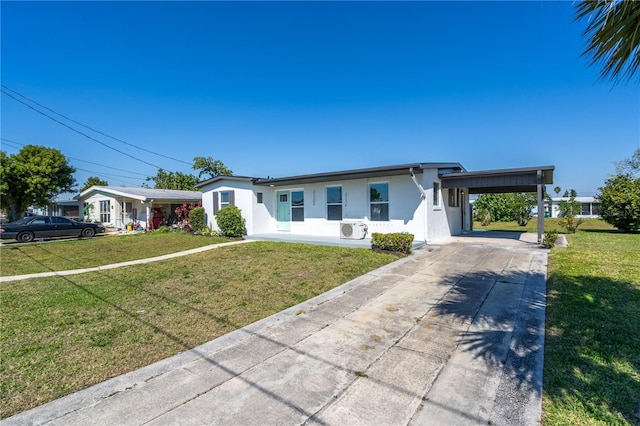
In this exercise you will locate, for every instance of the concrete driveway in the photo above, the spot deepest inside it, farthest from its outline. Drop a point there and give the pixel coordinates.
(450, 335)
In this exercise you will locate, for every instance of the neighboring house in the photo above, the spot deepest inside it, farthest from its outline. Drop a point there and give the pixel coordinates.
(428, 200)
(119, 206)
(589, 207)
(66, 208)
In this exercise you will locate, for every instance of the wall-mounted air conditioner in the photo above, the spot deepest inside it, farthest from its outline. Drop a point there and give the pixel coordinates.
(354, 229)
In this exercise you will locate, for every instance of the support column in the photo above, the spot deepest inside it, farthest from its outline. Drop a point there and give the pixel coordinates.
(540, 206)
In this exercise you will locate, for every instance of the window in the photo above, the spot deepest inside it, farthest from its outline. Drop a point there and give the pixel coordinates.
(224, 199)
(454, 197)
(436, 194)
(379, 201)
(595, 209)
(60, 221)
(334, 203)
(297, 206)
(259, 195)
(105, 211)
(585, 208)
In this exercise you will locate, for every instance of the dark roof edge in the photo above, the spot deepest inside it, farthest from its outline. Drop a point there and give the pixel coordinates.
(498, 172)
(358, 173)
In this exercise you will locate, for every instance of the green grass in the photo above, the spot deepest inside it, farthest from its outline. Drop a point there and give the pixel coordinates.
(550, 224)
(592, 348)
(60, 255)
(59, 335)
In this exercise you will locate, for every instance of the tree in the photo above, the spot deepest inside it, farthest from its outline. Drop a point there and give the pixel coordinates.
(613, 36)
(620, 197)
(507, 207)
(573, 193)
(568, 211)
(173, 180)
(33, 176)
(557, 190)
(211, 167)
(93, 181)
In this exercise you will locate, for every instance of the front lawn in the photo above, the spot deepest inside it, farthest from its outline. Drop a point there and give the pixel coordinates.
(592, 348)
(59, 335)
(60, 255)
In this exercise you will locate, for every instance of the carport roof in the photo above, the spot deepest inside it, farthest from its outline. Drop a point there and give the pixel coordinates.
(523, 179)
(145, 194)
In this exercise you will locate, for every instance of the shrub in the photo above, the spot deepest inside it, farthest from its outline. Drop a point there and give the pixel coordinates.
(397, 242)
(549, 239)
(196, 219)
(568, 211)
(230, 222)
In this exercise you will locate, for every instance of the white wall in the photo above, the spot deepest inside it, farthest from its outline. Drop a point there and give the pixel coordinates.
(408, 212)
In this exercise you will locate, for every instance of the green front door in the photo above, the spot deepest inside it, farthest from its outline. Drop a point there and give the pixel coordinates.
(283, 210)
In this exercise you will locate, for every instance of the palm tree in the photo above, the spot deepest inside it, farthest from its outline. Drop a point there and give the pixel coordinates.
(613, 30)
(557, 190)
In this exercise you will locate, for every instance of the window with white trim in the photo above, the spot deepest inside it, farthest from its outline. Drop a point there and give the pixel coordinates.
(297, 206)
(379, 201)
(105, 211)
(224, 199)
(334, 203)
(436, 194)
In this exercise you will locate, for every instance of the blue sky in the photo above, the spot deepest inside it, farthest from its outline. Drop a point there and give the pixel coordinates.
(287, 88)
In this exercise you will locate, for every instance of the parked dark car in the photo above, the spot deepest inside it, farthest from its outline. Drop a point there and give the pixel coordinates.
(29, 228)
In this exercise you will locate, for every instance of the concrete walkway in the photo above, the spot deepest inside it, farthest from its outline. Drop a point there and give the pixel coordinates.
(451, 335)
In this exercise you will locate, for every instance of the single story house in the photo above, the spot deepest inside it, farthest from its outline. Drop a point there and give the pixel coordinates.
(428, 200)
(118, 207)
(589, 207)
(66, 208)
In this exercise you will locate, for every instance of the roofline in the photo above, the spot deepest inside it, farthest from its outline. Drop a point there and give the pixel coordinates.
(357, 173)
(497, 172)
(116, 191)
(224, 177)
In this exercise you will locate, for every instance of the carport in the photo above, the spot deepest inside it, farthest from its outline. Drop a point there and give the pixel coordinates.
(526, 179)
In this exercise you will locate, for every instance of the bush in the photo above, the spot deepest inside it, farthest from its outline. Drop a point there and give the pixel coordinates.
(196, 219)
(620, 202)
(549, 239)
(230, 222)
(397, 242)
(568, 211)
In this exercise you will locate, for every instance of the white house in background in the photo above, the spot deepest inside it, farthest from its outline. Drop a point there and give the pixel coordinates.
(423, 199)
(119, 206)
(589, 207)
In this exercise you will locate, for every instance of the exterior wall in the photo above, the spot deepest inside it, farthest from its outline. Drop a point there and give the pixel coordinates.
(408, 211)
(117, 219)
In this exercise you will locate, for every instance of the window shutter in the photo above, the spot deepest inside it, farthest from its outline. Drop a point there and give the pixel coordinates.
(216, 204)
(232, 198)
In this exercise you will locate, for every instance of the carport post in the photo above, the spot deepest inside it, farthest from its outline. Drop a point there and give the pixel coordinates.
(540, 207)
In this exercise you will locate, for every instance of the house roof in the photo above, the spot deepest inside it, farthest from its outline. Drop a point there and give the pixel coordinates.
(401, 169)
(523, 179)
(145, 194)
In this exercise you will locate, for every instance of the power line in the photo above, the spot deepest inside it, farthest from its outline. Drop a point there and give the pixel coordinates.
(85, 161)
(91, 128)
(79, 132)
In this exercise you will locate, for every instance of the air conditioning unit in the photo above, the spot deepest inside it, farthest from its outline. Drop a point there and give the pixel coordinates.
(354, 230)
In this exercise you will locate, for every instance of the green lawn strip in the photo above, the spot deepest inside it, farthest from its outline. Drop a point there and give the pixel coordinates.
(60, 255)
(550, 224)
(592, 348)
(59, 335)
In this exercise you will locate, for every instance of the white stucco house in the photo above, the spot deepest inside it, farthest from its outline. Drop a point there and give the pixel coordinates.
(117, 207)
(428, 200)
(589, 207)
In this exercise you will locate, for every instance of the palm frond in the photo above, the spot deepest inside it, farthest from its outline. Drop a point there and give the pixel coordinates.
(613, 31)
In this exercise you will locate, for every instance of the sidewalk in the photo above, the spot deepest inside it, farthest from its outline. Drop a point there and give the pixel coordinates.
(450, 335)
